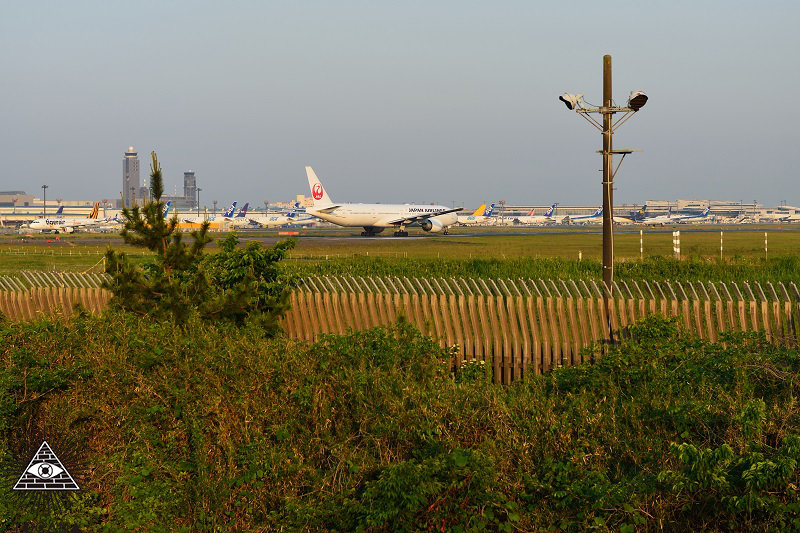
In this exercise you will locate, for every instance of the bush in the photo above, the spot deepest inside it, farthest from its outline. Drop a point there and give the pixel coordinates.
(207, 426)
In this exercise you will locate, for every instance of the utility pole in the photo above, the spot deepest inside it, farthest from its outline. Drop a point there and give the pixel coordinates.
(198, 202)
(215, 208)
(44, 200)
(608, 177)
(607, 127)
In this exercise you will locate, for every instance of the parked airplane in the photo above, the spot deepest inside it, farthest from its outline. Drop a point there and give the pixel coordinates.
(374, 218)
(547, 218)
(463, 219)
(659, 220)
(480, 216)
(273, 220)
(683, 219)
(588, 219)
(227, 215)
(241, 220)
(66, 225)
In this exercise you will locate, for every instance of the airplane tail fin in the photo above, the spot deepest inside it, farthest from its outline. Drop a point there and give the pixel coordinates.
(489, 211)
(230, 211)
(550, 211)
(60, 210)
(478, 212)
(95, 210)
(294, 210)
(167, 209)
(599, 212)
(243, 211)
(318, 193)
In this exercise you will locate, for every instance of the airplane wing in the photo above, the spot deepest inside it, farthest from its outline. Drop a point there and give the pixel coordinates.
(422, 216)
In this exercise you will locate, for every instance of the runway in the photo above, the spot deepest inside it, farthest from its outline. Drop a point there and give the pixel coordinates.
(336, 235)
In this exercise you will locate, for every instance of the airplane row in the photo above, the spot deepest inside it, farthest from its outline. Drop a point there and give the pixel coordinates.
(374, 218)
(57, 223)
(486, 216)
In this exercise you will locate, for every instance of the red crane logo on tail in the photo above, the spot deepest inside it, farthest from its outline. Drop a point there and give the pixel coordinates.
(316, 191)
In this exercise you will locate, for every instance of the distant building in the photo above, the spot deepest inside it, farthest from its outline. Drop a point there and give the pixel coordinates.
(190, 187)
(131, 185)
(304, 200)
(14, 198)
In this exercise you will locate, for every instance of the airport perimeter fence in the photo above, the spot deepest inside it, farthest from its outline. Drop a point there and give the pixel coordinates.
(25, 280)
(517, 327)
(35, 301)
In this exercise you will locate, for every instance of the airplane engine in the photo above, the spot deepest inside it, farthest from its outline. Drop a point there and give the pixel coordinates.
(68, 229)
(432, 225)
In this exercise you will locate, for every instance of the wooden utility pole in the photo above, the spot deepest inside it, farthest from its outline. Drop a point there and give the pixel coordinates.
(608, 177)
(636, 101)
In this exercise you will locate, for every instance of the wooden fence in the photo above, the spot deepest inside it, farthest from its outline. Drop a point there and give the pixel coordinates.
(29, 304)
(523, 326)
(25, 279)
(515, 326)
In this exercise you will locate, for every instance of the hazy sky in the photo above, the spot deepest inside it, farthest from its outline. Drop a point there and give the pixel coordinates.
(401, 101)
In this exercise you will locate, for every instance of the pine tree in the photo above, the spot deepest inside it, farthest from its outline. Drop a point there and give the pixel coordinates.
(182, 281)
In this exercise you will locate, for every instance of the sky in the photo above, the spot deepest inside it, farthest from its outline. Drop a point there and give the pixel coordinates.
(453, 102)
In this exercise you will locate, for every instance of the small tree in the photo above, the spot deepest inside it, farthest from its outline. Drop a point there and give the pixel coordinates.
(182, 280)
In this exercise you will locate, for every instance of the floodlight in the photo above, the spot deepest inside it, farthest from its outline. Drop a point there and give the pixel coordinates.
(571, 100)
(636, 100)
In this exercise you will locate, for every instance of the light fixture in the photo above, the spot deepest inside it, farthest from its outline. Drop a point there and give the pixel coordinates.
(571, 100)
(636, 100)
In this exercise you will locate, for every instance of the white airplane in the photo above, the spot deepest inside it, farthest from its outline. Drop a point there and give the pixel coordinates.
(275, 220)
(374, 218)
(595, 217)
(547, 218)
(482, 215)
(240, 220)
(683, 219)
(66, 225)
(227, 215)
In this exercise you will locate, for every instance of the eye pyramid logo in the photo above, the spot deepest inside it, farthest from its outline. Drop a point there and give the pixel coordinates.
(45, 472)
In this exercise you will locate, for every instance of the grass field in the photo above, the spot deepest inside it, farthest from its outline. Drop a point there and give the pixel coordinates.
(740, 246)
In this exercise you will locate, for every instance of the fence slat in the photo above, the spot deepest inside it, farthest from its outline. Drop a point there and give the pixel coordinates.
(497, 351)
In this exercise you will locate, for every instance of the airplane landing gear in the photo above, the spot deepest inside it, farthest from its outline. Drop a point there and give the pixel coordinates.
(401, 233)
(371, 232)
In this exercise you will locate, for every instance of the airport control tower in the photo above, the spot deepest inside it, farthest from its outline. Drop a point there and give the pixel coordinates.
(130, 177)
(190, 188)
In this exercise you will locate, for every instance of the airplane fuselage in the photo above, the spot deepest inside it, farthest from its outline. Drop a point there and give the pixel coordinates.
(61, 224)
(379, 215)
